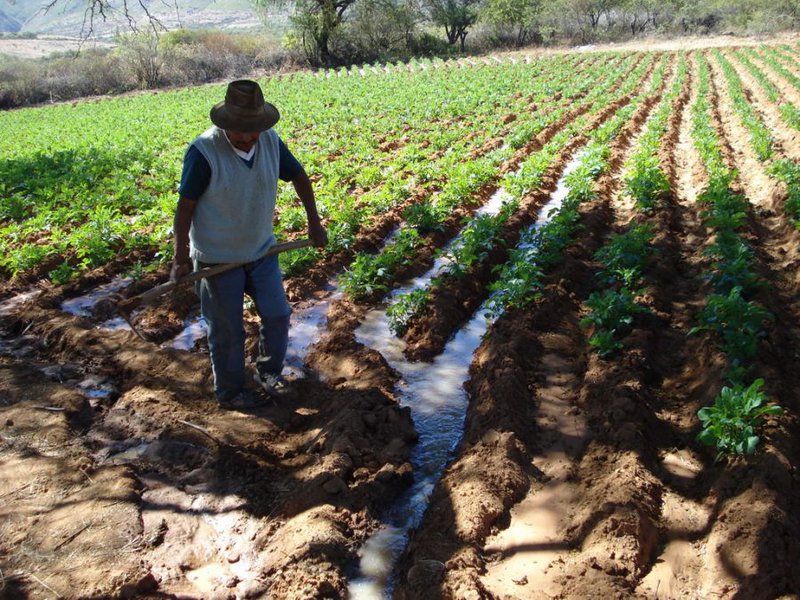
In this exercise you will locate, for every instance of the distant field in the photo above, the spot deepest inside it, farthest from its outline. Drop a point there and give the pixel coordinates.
(38, 48)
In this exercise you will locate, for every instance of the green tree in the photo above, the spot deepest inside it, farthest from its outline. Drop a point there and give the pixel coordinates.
(456, 16)
(518, 16)
(383, 29)
(641, 14)
(315, 22)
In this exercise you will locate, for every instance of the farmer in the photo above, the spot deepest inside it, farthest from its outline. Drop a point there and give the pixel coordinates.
(227, 202)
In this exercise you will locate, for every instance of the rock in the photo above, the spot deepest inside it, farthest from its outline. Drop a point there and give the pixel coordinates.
(9, 422)
(251, 589)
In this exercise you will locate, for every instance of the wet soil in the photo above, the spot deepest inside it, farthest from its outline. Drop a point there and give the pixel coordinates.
(577, 477)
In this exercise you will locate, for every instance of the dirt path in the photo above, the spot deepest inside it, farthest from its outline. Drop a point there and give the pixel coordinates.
(205, 501)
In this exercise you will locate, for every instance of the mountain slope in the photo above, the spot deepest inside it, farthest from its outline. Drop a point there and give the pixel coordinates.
(67, 18)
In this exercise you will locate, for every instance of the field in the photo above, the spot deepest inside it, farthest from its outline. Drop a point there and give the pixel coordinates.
(601, 246)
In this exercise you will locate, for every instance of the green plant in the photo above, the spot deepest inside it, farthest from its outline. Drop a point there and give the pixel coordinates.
(405, 308)
(426, 217)
(62, 273)
(731, 423)
(647, 184)
(369, 274)
(478, 238)
(625, 255)
(610, 312)
(731, 265)
(738, 322)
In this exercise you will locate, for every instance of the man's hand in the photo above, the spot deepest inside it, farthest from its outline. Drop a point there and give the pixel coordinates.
(318, 235)
(179, 269)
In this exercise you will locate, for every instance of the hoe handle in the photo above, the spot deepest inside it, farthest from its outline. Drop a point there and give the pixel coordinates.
(153, 294)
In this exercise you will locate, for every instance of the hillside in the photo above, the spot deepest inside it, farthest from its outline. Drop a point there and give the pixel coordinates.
(9, 23)
(67, 18)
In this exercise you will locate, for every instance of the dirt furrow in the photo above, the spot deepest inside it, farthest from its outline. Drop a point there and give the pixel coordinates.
(622, 204)
(526, 420)
(762, 190)
(789, 138)
(786, 89)
(337, 356)
(318, 468)
(778, 236)
(711, 543)
(692, 179)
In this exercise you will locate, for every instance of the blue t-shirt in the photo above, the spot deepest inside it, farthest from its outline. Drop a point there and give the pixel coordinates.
(197, 171)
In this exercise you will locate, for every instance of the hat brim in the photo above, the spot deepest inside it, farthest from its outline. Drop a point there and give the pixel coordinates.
(224, 118)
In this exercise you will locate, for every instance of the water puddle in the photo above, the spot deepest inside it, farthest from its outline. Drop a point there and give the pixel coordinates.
(195, 329)
(306, 327)
(434, 392)
(82, 305)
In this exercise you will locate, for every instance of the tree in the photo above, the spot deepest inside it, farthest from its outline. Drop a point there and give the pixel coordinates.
(315, 22)
(519, 16)
(382, 29)
(641, 14)
(456, 16)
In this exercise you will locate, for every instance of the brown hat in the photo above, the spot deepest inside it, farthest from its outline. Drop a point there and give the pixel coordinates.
(244, 108)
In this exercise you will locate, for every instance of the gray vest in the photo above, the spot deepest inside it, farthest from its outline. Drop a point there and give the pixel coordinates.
(232, 220)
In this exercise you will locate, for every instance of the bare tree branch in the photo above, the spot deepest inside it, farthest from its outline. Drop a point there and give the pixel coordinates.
(103, 9)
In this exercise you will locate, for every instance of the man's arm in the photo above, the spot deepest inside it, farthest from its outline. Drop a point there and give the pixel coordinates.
(302, 185)
(183, 221)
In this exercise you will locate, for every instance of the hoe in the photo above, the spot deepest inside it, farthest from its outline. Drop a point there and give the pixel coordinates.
(126, 307)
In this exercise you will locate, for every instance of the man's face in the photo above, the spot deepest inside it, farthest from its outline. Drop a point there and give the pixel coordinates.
(243, 140)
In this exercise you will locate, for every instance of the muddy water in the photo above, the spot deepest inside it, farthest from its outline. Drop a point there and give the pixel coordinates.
(82, 305)
(434, 392)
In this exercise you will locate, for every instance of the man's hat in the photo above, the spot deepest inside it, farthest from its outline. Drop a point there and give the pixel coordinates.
(244, 108)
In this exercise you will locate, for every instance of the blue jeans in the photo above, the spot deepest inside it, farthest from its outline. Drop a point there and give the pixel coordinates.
(221, 302)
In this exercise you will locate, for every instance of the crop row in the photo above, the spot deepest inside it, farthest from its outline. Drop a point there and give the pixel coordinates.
(370, 274)
(107, 171)
(731, 423)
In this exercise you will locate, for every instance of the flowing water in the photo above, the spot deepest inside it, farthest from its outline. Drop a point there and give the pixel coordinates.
(434, 392)
(82, 305)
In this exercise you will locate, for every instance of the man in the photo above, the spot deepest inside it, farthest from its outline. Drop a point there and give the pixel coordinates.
(227, 202)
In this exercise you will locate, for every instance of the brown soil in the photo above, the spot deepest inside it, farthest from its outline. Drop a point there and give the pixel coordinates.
(595, 485)
(576, 477)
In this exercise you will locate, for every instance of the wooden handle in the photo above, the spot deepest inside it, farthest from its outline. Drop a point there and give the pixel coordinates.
(158, 291)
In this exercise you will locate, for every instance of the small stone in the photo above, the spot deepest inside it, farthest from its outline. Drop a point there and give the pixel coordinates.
(9, 422)
(233, 557)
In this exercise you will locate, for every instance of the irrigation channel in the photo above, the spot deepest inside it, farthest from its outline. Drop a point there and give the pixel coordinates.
(434, 392)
